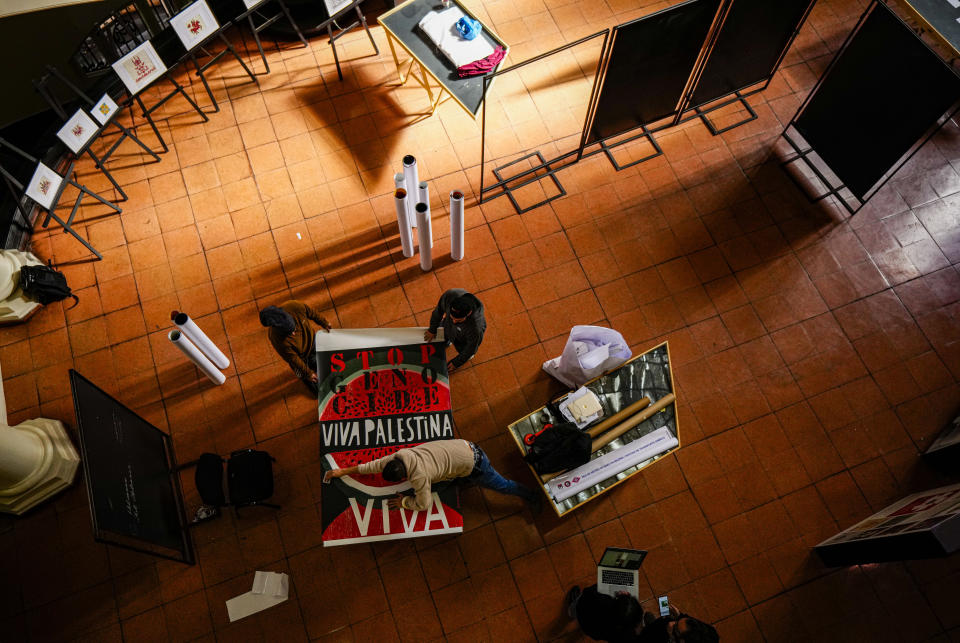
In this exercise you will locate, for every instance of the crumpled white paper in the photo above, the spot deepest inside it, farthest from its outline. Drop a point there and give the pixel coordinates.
(590, 351)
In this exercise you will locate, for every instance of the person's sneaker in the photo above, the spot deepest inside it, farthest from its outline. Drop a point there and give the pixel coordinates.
(570, 602)
(205, 512)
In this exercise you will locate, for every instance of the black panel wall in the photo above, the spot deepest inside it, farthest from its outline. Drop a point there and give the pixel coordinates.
(883, 93)
(649, 65)
(754, 37)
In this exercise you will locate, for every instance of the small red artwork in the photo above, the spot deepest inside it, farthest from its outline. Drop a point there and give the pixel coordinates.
(77, 130)
(142, 67)
(44, 185)
(195, 26)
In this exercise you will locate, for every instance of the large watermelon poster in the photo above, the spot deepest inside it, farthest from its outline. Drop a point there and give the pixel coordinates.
(380, 390)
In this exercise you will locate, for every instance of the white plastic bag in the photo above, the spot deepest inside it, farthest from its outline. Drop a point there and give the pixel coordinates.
(590, 351)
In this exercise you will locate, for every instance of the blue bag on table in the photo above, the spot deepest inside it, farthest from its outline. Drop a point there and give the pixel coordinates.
(469, 28)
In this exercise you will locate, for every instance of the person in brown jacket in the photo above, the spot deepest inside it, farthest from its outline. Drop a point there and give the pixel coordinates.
(292, 332)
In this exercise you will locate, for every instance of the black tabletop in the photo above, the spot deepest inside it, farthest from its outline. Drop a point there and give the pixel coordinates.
(403, 24)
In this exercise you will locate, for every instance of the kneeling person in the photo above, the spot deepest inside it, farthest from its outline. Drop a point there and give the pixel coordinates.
(433, 462)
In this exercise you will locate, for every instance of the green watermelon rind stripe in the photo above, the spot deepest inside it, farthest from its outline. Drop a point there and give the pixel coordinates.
(325, 400)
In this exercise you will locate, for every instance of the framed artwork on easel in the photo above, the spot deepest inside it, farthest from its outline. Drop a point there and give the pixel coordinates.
(194, 24)
(336, 6)
(139, 68)
(78, 131)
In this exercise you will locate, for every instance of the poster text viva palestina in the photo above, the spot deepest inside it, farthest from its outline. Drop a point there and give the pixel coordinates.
(384, 431)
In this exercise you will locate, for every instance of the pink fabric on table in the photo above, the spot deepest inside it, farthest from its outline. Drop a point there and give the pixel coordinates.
(484, 65)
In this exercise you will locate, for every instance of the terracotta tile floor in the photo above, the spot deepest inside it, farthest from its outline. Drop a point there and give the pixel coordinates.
(815, 356)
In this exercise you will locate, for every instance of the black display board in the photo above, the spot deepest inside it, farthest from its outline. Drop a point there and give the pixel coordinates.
(922, 525)
(129, 469)
(650, 63)
(882, 94)
(752, 42)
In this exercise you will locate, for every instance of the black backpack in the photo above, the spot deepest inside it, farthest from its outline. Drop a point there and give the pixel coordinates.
(45, 284)
(558, 448)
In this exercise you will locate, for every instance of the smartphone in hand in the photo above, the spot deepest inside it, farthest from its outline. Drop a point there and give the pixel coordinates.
(664, 605)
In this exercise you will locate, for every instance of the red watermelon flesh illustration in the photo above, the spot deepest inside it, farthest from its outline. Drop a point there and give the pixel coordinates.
(390, 396)
(371, 484)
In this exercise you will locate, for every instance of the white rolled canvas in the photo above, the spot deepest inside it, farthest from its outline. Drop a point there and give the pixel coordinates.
(399, 181)
(200, 339)
(456, 225)
(406, 235)
(425, 232)
(423, 196)
(411, 185)
(181, 341)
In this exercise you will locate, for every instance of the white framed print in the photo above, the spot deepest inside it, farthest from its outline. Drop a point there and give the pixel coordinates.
(253, 4)
(104, 110)
(194, 24)
(336, 6)
(140, 67)
(44, 186)
(77, 131)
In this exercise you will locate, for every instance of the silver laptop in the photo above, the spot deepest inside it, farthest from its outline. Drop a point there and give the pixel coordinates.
(617, 571)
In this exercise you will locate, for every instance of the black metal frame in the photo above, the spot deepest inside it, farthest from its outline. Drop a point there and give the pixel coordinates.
(535, 179)
(740, 95)
(675, 118)
(563, 159)
(801, 155)
(51, 212)
(255, 29)
(148, 113)
(43, 88)
(173, 471)
(341, 31)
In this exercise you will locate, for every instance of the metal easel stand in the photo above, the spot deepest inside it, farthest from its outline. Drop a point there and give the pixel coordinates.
(360, 20)
(51, 213)
(148, 113)
(265, 23)
(215, 58)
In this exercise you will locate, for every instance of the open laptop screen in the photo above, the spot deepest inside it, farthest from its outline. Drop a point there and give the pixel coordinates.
(623, 558)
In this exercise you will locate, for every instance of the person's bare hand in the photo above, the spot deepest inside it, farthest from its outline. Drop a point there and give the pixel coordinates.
(313, 377)
(428, 336)
(330, 475)
(396, 502)
(622, 593)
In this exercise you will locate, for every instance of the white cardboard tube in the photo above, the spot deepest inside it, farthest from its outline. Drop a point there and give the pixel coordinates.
(406, 234)
(423, 196)
(399, 181)
(200, 339)
(412, 184)
(199, 360)
(456, 225)
(423, 229)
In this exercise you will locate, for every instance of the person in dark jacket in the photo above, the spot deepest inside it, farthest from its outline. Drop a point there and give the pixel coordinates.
(621, 619)
(292, 333)
(460, 314)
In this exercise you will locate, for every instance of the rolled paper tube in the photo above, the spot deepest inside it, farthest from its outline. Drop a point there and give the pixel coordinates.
(423, 196)
(424, 231)
(622, 428)
(406, 235)
(456, 225)
(629, 423)
(411, 185)
(200, 339)
(199, 359)
(603, 425)
(399, 181)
